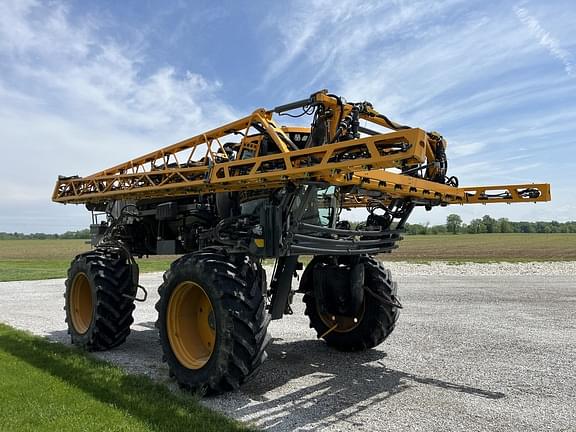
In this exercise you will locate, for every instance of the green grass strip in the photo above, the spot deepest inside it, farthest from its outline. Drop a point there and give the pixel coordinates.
(46, 386)
(23, 269)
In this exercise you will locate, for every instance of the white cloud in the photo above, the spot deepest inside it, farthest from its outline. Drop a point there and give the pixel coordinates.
(466, 68)
(459, 150)
(546, 40)
(73, 101)
(93, 76)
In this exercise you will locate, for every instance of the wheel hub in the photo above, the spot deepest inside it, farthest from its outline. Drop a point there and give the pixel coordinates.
(191, 325)
(341, 323)
(81, 307)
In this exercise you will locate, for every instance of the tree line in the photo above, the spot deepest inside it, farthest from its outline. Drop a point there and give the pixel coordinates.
(453, 225)
(80, 234)
(487, 224)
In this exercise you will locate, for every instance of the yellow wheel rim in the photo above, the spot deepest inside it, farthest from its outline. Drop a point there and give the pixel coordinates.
(191, 325)
(81, 305)
(341, 323)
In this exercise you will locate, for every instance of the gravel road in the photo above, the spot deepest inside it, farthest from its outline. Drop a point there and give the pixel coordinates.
(478, 347)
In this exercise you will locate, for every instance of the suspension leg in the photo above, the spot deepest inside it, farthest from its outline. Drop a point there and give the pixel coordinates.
(281, 285)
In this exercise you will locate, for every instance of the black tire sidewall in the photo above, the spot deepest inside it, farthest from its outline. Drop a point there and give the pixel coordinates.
(81, 265)
(109, 278)
(377, 322)
(195, 272)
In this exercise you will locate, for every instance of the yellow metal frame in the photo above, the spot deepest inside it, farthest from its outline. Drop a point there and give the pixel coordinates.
(401, 186)
(201, 165)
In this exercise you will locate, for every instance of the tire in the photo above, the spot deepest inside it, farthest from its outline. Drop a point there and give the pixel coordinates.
(375, 320)
(212, 321)
(98, 311)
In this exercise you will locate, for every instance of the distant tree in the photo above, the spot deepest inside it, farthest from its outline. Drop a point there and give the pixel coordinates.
(81, 234)
(453, 223)
(477, 226)
(489, 223)
(504, 226)
(526, 227)
(437, 229)
(415, 229)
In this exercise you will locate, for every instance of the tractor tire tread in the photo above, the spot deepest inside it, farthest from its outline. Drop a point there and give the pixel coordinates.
(378, 321)
(112, 315)
(244, 338)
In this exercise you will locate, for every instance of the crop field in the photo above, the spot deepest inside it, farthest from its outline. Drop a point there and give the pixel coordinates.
(49, 259)
(487, 247)
(46, 259)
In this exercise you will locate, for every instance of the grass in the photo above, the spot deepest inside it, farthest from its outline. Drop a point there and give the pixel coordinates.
(47, 386)
(46, 259)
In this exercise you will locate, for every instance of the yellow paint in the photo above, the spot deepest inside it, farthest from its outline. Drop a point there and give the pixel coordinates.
(191, 325)
(200, 165)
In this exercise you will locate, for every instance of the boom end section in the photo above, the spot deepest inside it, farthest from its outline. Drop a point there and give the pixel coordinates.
(531, 192)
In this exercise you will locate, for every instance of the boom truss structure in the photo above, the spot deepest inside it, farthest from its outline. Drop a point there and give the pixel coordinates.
(404, 163)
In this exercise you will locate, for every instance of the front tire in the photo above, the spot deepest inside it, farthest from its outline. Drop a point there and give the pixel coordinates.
(99, 300)
(374, 320)
(212, 321)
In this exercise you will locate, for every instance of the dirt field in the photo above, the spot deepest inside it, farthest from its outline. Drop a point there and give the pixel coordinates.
(487, 247)
(46, 259)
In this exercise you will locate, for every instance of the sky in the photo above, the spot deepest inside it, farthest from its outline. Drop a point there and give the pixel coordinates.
(87, 85)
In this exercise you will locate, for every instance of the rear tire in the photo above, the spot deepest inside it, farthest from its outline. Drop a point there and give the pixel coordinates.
(98, 311)
(213, 321)
(372, 324)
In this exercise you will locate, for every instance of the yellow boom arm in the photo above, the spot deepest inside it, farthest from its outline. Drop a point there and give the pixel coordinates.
(406, 162)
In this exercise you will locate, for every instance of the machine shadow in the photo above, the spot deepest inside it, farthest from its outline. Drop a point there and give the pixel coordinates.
(321, 385)
(334, 385)
(60, 336)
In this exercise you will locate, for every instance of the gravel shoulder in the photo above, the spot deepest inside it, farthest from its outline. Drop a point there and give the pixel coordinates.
(478, 347)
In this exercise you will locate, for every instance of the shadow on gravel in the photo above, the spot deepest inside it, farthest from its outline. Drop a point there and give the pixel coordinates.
(321, 383)
(61, 336)
(305, 382)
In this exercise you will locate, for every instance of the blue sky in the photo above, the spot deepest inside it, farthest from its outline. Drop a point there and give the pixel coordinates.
(85, 85)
